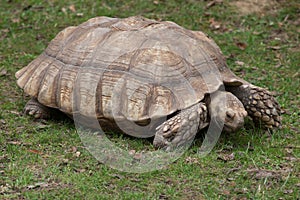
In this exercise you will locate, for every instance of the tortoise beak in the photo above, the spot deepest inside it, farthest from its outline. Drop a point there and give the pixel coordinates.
(234, 126)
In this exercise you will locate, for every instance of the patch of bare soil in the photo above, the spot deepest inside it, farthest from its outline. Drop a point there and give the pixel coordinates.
(261, 7)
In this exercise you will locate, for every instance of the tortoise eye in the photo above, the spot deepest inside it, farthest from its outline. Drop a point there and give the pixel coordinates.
(230, 114)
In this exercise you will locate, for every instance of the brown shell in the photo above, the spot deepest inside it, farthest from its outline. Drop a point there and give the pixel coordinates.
(132, 68)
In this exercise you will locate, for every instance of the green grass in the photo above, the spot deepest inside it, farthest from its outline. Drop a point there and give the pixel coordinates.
(39, 160)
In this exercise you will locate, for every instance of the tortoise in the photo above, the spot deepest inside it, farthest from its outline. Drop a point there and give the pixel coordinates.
(144, 77)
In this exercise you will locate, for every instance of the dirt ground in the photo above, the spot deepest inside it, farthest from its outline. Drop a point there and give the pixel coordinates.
(261, 7)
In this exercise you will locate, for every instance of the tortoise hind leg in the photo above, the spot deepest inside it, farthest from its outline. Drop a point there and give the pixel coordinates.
(260, 104)
(37, 110)
(182, 128)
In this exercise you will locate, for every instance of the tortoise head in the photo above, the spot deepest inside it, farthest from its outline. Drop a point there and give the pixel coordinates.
(226, 109)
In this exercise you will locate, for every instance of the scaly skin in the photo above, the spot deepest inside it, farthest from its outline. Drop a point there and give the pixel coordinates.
(37, 110)
(260, 104)
(182, 128)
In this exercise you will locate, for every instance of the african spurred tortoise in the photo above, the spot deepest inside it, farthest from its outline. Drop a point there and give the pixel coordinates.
(144, 72)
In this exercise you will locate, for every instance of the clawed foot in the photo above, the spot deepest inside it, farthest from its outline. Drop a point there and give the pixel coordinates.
(36, 110)
(181, 129)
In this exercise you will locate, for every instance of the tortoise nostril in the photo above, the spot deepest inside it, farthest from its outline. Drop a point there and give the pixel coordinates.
(230, 114)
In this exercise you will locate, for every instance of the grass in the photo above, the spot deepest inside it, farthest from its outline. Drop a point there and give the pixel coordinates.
(46, 160)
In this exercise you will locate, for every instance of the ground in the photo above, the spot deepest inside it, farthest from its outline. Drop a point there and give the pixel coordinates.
(46, 159)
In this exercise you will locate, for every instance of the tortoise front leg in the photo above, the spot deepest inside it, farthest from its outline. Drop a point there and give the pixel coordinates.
(182, 128)
(260, 104)
(37, 110)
